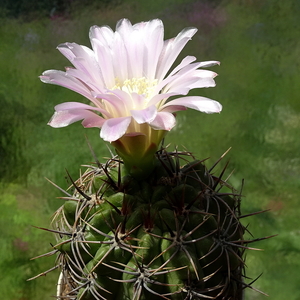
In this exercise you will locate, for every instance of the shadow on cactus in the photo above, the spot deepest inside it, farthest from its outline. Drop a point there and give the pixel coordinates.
(148, 223)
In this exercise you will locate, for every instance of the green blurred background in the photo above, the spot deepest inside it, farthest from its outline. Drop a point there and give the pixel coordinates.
(258, 44)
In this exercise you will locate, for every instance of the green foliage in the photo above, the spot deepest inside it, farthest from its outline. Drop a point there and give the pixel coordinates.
(30, 9)
(20, 208)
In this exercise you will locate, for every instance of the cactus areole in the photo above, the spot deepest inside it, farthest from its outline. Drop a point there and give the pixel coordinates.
(147, 223)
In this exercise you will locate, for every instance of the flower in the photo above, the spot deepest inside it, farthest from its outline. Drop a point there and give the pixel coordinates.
(128, 79)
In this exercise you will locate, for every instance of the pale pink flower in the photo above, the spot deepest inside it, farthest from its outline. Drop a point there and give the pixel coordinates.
(128, 79)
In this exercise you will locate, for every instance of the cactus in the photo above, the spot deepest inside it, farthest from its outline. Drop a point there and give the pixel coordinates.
(176, 235)
(147, 223)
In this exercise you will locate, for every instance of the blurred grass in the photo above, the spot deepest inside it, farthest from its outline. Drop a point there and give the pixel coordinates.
(258, 46)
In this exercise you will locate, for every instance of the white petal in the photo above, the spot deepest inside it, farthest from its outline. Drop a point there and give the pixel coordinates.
(163, 121)
(188, 78)
(171, 50)
(104, 35)
(67, 117)
(210, 63)
(124, 27)
(186, 83)
(124, 97)
(186, 61)
(202, 83)
(61, 78)
(93, 121)
(173, 108)
(183, 73)
(104, 59)
(159, 97)
(146, 115)
(113, 129)
(136, 50)
(154, 41)
(82, 58)
(195, 102)
(78, 106)
(119, 57)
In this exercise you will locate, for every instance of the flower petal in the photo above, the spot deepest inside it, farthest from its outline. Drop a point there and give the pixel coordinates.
(103, 34)
(195, 102)
(83, 59)
(189, 77)
(77, 106)
(186, 83)
(93, 121)
(116, 105)
(163, 121)
(185, 62)
(171, 50)
(124, 27)
(159, 97)
(66, 117)
(210, 63)
(143, 42)
(115, 128)
(154, 41)
(120, 58)
(146, 115)
(62, 79)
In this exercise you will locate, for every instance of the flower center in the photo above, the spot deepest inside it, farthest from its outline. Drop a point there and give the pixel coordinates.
(141, 86)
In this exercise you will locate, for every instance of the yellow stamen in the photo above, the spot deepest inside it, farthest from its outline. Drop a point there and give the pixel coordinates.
(141, 86)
